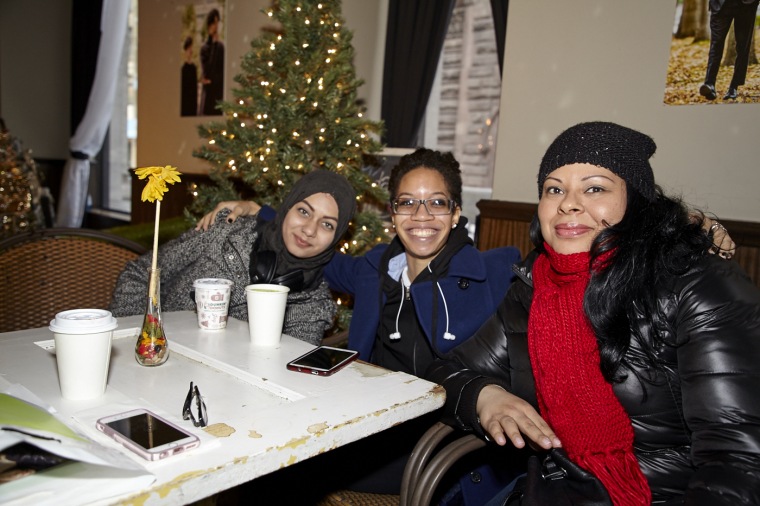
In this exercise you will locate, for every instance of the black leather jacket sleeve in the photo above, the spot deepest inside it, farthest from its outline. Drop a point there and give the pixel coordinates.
(717, 326)
(485, 359)
(463, 382)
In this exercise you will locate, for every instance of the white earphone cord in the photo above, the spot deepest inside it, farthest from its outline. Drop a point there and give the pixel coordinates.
(446, 335)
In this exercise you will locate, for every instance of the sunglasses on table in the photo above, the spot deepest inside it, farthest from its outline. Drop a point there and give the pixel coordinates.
(198, 416)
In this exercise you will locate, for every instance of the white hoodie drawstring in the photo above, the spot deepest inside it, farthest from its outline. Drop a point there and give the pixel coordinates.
(404, 280)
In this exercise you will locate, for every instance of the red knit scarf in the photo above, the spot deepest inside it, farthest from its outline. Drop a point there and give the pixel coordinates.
(573, 396)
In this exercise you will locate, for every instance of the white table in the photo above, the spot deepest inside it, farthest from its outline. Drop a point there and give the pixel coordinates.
(263, 416)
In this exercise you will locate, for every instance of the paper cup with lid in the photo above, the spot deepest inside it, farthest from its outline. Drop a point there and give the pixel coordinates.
(83, 351)
(212, 302)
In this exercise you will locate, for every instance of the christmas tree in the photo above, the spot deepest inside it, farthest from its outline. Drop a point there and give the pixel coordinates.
(295, 110)
(19, 187)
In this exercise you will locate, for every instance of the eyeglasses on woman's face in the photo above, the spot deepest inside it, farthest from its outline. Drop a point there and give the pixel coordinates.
(435, 206)
(423, 232)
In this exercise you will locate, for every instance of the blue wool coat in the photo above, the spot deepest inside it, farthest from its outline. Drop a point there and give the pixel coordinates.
(474, 286)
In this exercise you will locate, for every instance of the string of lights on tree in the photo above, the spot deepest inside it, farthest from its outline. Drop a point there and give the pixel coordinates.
(295, 110)
(19, 188)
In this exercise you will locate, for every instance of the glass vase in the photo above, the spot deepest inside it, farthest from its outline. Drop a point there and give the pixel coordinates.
(152, 348)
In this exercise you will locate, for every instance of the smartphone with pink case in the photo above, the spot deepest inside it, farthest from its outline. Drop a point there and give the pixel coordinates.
(147, 434)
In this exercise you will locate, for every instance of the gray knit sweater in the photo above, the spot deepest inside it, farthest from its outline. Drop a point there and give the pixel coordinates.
(223, 251)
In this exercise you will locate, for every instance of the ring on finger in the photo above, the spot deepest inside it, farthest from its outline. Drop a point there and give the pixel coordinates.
(717, 225)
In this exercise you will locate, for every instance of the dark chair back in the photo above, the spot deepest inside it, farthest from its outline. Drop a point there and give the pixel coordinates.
(51, 270)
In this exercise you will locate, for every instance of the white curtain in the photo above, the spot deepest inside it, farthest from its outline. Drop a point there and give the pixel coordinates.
(88, 138)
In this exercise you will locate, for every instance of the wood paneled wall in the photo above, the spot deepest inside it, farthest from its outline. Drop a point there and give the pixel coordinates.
(503, 223)
(746, 235)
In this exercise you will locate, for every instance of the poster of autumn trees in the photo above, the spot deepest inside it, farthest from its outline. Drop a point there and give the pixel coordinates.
(699, 24)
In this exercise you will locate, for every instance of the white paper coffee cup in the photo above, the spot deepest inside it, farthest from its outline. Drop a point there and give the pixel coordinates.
(83, 351)
(266, 313)
(212, 302)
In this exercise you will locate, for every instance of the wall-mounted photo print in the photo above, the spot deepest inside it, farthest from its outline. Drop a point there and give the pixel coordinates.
(202, 71)
(713, 54)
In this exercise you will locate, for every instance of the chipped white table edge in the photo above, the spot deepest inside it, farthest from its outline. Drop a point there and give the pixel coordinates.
(262, 416)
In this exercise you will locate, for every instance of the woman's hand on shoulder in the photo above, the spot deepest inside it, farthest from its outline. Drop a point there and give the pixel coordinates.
(237, 208)
(503, 415)
(723, 245)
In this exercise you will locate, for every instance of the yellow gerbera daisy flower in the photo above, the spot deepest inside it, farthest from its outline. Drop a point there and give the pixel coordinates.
(158, 177)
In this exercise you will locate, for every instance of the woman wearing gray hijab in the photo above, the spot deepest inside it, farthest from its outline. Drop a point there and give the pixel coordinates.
(289, 247)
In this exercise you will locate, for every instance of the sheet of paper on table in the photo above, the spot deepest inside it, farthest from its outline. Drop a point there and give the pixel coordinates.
(83, 465)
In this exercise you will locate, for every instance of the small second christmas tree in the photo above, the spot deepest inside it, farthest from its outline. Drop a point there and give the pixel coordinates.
(295, 111)
(20, 188)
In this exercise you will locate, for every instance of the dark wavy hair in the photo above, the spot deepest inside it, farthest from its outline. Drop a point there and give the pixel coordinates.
(654, 240)
(443, 163)
(212, 16)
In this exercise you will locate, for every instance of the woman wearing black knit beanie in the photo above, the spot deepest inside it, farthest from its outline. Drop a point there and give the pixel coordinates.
(623, 342)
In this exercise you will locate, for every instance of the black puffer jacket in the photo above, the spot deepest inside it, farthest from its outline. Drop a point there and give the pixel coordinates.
(696, 416)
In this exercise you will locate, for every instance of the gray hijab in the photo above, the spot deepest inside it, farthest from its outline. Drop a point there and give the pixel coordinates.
(318, 181)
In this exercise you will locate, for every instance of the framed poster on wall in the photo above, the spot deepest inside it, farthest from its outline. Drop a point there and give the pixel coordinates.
(203, 63)
(713, 53)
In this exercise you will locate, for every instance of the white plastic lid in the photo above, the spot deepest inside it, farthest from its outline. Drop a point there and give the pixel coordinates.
(83, 321)
(212, 283)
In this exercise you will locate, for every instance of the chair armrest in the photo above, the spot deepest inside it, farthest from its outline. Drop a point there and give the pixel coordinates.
(426, 468)
(421, 453)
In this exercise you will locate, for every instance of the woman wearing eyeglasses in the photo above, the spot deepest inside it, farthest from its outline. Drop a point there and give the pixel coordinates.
(430, 288)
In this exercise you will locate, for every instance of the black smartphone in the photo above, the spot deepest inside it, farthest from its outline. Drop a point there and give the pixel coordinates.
(147, 434)
(323, 361)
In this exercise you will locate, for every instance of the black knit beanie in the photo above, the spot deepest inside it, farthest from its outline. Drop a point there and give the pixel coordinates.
(619, 149)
